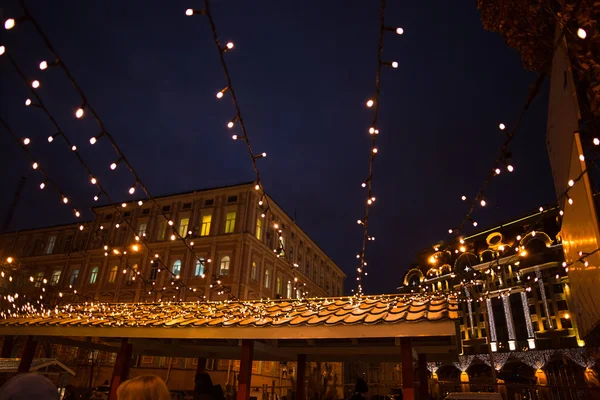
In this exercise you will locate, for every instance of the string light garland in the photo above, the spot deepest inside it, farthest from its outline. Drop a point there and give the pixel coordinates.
(373, 103)
(85, 104)
(238, 120)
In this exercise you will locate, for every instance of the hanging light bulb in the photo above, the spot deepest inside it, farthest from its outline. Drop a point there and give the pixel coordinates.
(502, 126)
(132, 189)
(114, 165)
(370, 103)
(375, 150)
(93, 180)
(463, 198)
(483, 203)
(399, 31)
(2, 50)
(140, 203)
(65, 200)
(229, 46)
(596, 141)
(221, 93)
(73, 148)
(581, 157)
(43, 65)
(571, 182)
(26, 141)
(570, 200)
(77, 214)
(189, 12)
(497, 171)
(474, 223)
(42, 185)
(34, 165)
(581, 33)
(261, 155)
(9, 24)
(28, 102)
(79, 112)
(35, 84)
(231, 123)
(510, 168)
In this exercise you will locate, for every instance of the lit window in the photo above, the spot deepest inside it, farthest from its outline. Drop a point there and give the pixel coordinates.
(253, 271)
(267, 278)
(112, 276)
(74, 276)
(278, 285)
(132, 273)
(224, 268)
(205, 230)
(50, 245)
(162, 226)
(230, 222)
(38, 279)
(289, 290)
(55, 278)
(199, 270)
(258, 231)
(142, 229)
(183, 226)
(94, 275)
(176, 269)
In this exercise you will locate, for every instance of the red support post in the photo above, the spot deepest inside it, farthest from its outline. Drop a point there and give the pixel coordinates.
(121, 369)
(300, 377)
(27, 356)
(423, 377)
(245, 375)
(408, 376)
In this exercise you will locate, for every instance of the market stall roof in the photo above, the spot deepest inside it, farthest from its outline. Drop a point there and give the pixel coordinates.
(38, 364)
(313, 326)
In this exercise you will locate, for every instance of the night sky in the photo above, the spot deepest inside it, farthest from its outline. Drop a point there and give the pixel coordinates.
(302, 72)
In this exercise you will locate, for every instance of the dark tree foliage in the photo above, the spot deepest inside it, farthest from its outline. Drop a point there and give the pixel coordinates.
(529, 27)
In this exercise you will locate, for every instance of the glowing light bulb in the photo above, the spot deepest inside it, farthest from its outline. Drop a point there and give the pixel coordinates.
(510, 168)
(230, 45)
(34, 165)
(370, 103)
(65, 200)
(581, 33)
(571, 182)
(462, 249)
(230, 124)
(581, 157)
(561, 212)
(79, 113)
(189, 12)
(497, 171)
(541, 209)
(375, 150)
(77, 214)
(73, 148)
(474, 223)
(28, 102)
(43, 65)
(113, 166)
(363, 184)
(483, 203)
(42, 185)
(234, 137)
(463, 198)
(502, 126)
(2, 50)
(170, 223)
(570, 201)
(35, 84)
(450, 230)
(93, 140)
(132, 190)
(123, 205)
(394, 64)
(9, 260)
(93, 180)
(596, 141)
(9, 24)
(50, 139)
(399, 31)
(173, 237)
(26, 141)
(140, 203)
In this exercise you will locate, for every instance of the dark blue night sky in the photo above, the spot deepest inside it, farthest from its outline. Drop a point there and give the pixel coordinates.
(302, 72)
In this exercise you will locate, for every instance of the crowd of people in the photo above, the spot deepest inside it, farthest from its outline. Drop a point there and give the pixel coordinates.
(147, 387)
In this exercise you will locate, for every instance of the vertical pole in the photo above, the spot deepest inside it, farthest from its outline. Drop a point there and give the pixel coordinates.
(423, 377)
(121, 369)
(408, 378)
(7, 346)
(27, 356)
(300, 377)
(245, 375)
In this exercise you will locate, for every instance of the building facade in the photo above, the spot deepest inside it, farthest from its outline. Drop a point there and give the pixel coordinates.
(229, 234)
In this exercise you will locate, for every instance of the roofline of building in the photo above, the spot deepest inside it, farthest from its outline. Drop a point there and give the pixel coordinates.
(74, 224)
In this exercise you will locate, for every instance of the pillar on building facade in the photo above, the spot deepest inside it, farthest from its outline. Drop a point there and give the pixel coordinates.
(245, 375)
(300, 377)
(423, 377)
(201, 367)
(408, 377)
(27, 356)
(121, 369)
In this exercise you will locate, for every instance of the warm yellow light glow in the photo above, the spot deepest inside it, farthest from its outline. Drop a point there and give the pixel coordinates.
(370, 103)
(123, 205)
(93, 180)
(596, 141)
(510, 168)
(189, 12)
(170, 222)
(42, 185)
(34, 165)
(567, 316)
(462, 249)
(79, 113)
(432, 260)
(35, 84)
(394, 64)
(140, 203)
(581, 157)
(43, 65)
(571, 182)
(474, 223)
(523, 253)
(449, 230)
(113, 166)
(570, 201)
(132, 190)
(93, 140)
(230, 45)
(9, 24)
(2, 50)
(26, 141)
(173, 237)
(135, 247)
(483, 203)
(9, 260)
(581, 33)
(375, 150)
(497, 171)
(502, 126)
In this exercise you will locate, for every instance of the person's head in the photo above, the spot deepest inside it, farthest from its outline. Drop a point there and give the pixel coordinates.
(28, 386)
(361, 386)
(146, 387)
(203, 383)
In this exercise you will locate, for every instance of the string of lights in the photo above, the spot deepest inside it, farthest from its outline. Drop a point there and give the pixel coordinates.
(504, 158)
(39, 103)
(263, 204)
(122, 159)
(373, 103)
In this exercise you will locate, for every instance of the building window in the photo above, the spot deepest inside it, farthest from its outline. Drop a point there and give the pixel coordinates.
(209, 202)
(224, 267)
(94, 275)
(121, 236)
(50, 245)
(39, 278)
(267, 278)
(292, 253)
(160, 234)
(278, 285)
(55, 278)
(253, 271)
(230, 222)
(307, 267)
(258, 231)
(145, 211)
(187, 206)
(68, 241)
(176, 269)
(142, 229)
(132, 273)
(199, 270)
(154, 272)
(205, 230)
(74, 276)
(299, 262)
(321, 279)
(183, 226)
(298, 294)
(231, 199)
(315, 274)
(112, 276)
(289, 290)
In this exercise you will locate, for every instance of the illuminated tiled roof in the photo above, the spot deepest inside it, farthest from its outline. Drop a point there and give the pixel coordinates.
(388, 309)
